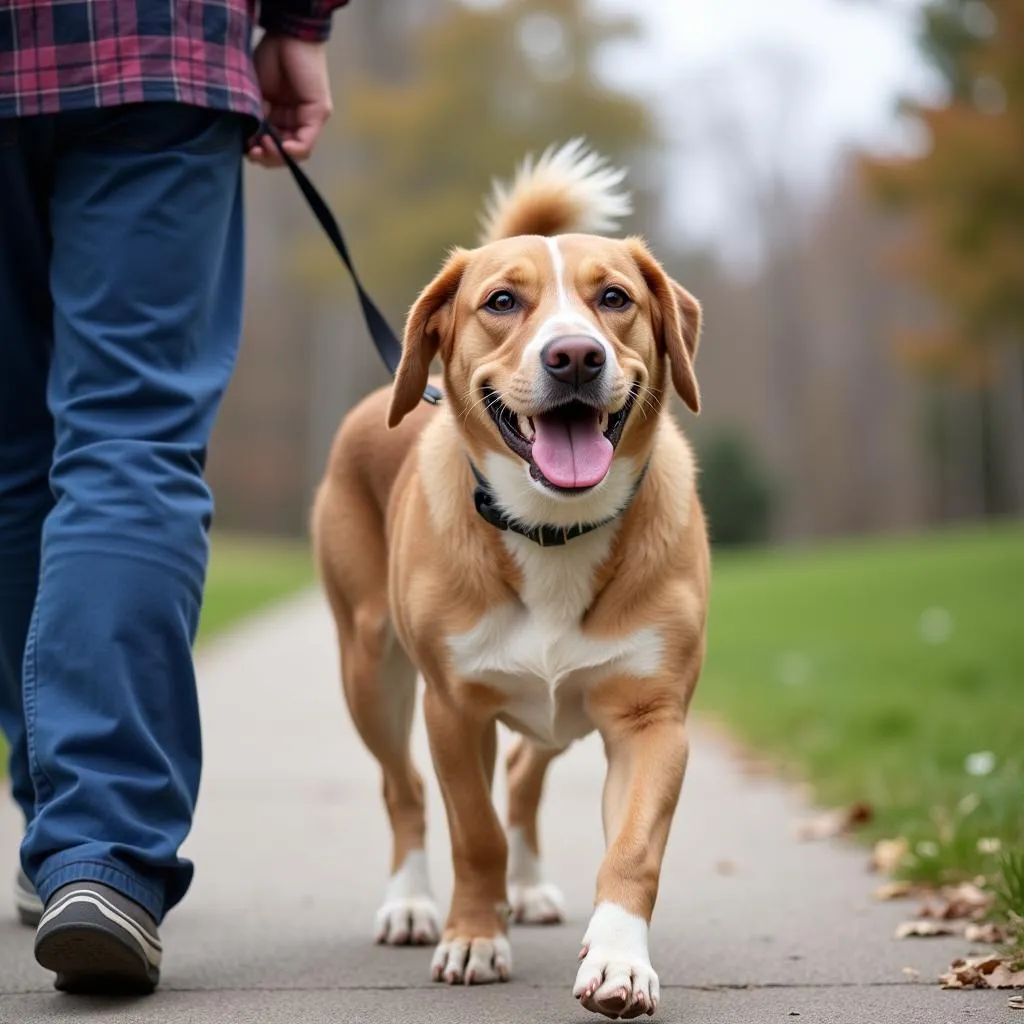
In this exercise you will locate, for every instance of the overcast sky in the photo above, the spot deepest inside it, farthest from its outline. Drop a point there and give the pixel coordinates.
(855, 57)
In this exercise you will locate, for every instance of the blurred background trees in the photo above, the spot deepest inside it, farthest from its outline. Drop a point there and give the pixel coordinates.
(862, 363)
(963, 245)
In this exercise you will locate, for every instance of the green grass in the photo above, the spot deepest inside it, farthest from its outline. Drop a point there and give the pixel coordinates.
(874, 671)
(247, 575)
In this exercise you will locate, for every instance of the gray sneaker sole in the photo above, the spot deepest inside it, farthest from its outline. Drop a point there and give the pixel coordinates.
(90, 960)
(96, 948)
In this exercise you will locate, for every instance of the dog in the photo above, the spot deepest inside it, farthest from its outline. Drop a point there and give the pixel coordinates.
(535, 548)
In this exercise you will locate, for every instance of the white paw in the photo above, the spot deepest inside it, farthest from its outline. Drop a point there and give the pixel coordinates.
(533, 901)
(411, 921)
(473, 961)
(409, 915)
(615, 977)
(536, 904)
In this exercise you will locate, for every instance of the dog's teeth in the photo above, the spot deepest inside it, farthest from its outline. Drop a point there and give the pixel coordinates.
(604, 422)
(526, 427)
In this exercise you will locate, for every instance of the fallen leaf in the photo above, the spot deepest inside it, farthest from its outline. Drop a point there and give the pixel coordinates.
(984, 972)
(928, 928)
(893, 890)
(988, 932)
(834, 823)
(888, 855)
(956, 902)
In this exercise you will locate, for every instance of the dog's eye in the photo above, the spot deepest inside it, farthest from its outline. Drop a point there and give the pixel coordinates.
(501, 302)
(614, 298)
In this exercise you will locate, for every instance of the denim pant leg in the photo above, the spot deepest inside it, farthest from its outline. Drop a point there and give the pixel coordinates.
(146, 279)
(26, 429)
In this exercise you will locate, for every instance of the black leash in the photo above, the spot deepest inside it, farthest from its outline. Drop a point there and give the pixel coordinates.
(384, 339)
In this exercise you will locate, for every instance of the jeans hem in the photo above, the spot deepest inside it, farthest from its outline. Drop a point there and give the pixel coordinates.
(128, 884)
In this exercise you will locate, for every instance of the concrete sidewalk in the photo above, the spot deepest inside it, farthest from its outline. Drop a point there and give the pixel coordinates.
(292, 853)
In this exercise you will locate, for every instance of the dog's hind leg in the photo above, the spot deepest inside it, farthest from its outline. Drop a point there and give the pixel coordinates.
(380, 687)
(379, 683)
(534, 900)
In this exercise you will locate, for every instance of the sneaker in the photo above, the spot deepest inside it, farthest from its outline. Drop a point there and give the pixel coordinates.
(98, 942)
(26, 901)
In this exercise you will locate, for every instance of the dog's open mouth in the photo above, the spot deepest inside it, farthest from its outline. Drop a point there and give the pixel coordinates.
(568, 448)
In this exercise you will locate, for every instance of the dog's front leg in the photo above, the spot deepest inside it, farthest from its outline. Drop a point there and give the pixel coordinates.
(643, 727)
(474, 948)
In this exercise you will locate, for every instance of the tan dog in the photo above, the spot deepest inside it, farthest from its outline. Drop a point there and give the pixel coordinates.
(536, 549)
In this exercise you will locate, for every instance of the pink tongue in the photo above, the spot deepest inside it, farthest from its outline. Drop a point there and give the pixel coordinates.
(570, 449)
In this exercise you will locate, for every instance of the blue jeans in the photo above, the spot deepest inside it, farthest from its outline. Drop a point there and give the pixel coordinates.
(121, 277)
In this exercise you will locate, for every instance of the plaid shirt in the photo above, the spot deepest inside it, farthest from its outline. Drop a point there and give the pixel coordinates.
(60, 55)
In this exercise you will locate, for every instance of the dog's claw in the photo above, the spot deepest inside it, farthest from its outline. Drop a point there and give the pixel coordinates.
(472, 961)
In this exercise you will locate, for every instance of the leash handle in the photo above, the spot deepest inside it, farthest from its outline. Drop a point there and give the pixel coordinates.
(384, 338)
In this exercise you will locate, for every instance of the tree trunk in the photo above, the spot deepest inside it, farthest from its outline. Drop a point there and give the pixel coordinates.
(1009, 401)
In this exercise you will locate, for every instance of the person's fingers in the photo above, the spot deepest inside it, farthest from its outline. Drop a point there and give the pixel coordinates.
(265, 152)
(258, 155)
(300, 142)
(265, 155)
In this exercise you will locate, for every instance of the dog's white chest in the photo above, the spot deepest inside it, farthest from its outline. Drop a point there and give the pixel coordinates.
(534, 651)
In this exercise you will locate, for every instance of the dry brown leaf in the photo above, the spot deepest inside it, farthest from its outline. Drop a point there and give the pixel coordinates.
(956, 902)
(893, 890)
(834, 823)
(983, 972)
(928, 928)
(987, 931)
(888, 855)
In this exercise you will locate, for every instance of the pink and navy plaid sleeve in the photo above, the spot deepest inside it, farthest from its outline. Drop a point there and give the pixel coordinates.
(61, 55)
(306, 20)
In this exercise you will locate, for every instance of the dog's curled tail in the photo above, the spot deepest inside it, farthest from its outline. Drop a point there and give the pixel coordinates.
(570, 188)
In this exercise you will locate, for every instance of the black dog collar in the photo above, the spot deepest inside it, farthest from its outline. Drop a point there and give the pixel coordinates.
(546, 535)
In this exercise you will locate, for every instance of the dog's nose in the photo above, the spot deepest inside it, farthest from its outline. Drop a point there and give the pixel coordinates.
(573, 359)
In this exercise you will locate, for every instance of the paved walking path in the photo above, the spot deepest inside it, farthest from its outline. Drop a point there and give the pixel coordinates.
(292, 853)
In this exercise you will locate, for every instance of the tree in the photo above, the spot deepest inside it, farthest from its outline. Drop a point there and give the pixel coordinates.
(965, 200)
(735, 491)
(485, 87)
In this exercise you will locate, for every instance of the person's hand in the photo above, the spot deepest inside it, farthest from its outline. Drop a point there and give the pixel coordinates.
(293, 78)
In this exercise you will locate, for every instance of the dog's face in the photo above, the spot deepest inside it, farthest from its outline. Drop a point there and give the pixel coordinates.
(553, 349)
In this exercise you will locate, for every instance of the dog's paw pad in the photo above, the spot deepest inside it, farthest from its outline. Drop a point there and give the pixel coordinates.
(617, 984)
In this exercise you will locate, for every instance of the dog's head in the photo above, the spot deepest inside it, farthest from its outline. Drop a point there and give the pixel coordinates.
(557, 349)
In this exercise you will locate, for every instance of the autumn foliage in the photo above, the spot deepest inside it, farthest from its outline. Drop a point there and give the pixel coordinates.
(965, 194)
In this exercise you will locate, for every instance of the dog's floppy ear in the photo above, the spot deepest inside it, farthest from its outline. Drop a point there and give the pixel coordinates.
(429, 323)
(677, 323)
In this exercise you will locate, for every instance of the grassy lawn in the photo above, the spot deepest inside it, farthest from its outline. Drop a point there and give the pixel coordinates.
(248, 574)
(890, 672)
